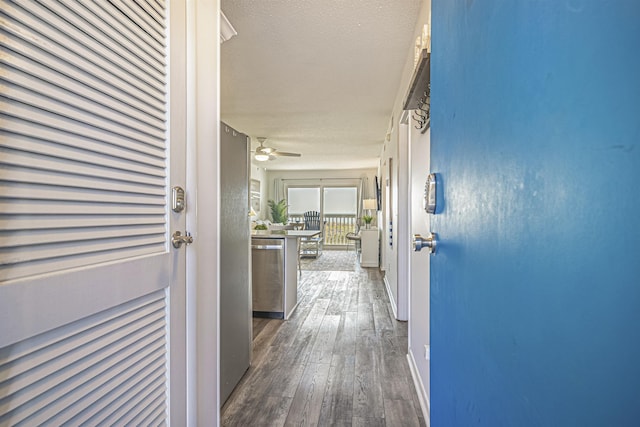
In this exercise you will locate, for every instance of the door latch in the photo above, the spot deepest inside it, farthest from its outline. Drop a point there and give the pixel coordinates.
(177, 239)
(431, 241)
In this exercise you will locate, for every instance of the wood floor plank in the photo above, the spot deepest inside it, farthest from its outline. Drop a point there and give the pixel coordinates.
(382, 316)
(337, 405)
(288, 378)
(275, 410)
(298, 350)
(364, 291)
(368, 399)
(351, 296)
(378, 291)
(262, 342)
(365, 317)
(400, 413)
(394, 368)
(390, 344)
(327, 289)
(336, 306)
(401, 328)
(254, 386)
(344, 321)
(346, 335)
(307, 402)
(288, 329)
(368, 422)
(338, 275)
(258, 324)
(396, 377)
(322, 350)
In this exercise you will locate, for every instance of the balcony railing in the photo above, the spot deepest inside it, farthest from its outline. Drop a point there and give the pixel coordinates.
(336, 228)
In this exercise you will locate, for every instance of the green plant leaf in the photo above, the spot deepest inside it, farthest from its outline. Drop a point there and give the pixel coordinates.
(279, 211)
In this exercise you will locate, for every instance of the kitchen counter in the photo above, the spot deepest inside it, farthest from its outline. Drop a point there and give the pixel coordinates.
(282, 234)
(274, 260)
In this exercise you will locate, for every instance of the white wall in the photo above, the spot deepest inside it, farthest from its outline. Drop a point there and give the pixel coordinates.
(389, 223)
(399, 146)
(259, 173)
(419, 262)
(328, 177)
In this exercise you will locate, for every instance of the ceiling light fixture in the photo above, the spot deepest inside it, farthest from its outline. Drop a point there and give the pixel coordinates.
(261, 157)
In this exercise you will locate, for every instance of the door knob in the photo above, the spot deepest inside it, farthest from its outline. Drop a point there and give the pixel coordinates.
(177, 239)
(431, 241)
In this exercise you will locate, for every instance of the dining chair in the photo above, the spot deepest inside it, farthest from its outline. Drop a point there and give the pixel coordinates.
(312, 246)
(354, 236)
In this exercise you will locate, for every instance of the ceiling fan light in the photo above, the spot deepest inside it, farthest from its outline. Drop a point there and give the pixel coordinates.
(261, 157)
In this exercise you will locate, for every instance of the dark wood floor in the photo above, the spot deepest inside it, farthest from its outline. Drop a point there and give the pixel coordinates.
(339, 361)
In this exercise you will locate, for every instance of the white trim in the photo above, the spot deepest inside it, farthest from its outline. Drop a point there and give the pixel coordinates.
(203, 256)
(178, 350)
(423, 398)
(394, 305)
(404, 117)
(56, 299)
(403, 234)
(226, 29)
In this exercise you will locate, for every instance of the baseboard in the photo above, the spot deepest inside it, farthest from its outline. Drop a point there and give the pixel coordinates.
(422, 394)
(394, 305)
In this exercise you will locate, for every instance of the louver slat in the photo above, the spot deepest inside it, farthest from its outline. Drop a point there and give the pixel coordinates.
(126, 40)
(111, 365)
(152, 10)
(115, 18)
(82, 134)
(21, 136)
(75, 43)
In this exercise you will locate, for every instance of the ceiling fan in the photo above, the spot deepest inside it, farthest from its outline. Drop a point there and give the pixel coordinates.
(262, 153)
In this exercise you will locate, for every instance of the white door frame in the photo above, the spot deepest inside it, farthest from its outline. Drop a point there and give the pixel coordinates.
(178, 379)
(203, 127)
(404, 218)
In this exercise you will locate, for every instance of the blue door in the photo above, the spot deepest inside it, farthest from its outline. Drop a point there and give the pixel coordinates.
(535, 291)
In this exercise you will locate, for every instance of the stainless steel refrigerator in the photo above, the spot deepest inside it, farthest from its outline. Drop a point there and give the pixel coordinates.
(235, 242)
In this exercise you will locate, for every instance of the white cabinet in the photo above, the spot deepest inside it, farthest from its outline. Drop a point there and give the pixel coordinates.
(369, 243)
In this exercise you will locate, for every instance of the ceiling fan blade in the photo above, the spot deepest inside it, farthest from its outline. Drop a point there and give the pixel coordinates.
(284, 154)
(273, 153)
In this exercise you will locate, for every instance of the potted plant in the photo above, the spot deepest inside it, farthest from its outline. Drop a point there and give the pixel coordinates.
(367, 220)
(279, 212)
(261, 228)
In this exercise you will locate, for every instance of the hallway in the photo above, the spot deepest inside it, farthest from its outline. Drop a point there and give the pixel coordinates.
(340, 360)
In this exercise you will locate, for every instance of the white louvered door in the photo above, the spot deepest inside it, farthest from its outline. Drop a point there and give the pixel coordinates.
(92, 125)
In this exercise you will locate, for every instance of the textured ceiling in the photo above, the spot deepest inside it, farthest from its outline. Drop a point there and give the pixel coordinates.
(318, 77)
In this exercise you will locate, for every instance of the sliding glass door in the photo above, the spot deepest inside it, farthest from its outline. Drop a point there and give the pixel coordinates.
(338, 206)
(340, 209)
(301, 200)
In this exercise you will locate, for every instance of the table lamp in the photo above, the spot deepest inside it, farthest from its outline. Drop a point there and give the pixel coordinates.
(369, 205)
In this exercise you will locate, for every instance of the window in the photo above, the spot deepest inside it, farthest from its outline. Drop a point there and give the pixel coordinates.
(338, 206)
(340, 200)
(301, 200)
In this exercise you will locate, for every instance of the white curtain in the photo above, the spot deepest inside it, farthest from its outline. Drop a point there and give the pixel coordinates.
(277, 190)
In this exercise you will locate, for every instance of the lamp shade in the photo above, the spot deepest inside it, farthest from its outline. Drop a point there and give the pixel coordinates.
(369, 204)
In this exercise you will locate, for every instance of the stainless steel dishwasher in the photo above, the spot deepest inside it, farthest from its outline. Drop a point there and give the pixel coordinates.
(267, 264)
